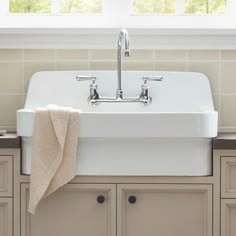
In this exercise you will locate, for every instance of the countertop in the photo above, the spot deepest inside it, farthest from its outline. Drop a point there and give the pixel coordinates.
(222, 141)
(225, 141)
(10, 140)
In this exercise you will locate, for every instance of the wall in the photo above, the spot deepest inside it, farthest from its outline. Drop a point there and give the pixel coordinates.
(17, 66)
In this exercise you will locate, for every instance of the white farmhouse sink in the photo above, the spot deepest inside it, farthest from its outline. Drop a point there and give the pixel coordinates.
(171, 137)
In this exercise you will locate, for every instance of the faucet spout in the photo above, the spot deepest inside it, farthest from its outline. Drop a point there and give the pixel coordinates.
(123, 34)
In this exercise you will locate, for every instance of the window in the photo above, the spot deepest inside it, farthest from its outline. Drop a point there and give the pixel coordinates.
(80, 6)
(138, 6)
(55, 6)
(180, 6)
(29, 6)
(154, 6)
(205, 7)
(118, 13)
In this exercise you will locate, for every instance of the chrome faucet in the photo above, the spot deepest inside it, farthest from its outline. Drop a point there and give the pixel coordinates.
(123, 34)
(144, 97)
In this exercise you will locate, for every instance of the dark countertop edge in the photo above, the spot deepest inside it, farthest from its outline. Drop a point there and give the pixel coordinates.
(222, 141)
(10, 140)
(226, 141)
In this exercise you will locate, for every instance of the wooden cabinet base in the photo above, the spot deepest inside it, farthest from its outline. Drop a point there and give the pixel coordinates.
(75, 209)
(165, 209)
(228, 217)
(5, 216)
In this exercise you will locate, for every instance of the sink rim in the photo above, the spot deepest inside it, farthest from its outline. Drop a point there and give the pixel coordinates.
(126, 125)
(32, 110)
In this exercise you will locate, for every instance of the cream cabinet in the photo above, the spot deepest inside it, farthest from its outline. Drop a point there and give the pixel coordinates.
(228, 177)
(131, 210)
(164, 209)
(228, 195)
(76, 209)
(6, 174)
(228, 217)
(5, 216)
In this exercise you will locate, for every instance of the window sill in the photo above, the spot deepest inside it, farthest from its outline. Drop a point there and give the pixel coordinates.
(95, 38)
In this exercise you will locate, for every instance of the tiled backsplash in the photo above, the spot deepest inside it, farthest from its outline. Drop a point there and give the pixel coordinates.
(17, 66)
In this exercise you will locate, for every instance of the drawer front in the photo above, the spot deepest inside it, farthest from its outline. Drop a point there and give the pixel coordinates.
(6, 176)
(228, 217)
(228, 177)
(6, 216)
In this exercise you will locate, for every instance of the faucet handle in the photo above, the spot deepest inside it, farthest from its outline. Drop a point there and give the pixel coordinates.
(152, 78)
(86, 78)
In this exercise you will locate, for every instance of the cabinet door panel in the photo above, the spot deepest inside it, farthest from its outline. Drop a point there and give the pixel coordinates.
(228, 217)
(5, 216)
(165, 209)
(228, 176)
(74, 210)
(5, 176)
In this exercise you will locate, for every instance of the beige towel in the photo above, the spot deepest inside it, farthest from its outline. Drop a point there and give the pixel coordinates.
(54, 147)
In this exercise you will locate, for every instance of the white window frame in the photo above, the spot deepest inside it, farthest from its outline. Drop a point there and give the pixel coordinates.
(101, 30)
(118, 14)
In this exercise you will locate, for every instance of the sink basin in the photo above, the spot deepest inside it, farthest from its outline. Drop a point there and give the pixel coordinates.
(171, 137)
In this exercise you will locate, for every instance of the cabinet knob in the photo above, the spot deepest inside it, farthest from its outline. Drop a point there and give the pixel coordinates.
(132, 199)
(100, 199)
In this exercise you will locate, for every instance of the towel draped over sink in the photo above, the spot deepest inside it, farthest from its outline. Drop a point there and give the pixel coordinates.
(54, 148)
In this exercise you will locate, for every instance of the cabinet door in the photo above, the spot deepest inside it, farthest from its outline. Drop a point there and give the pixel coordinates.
(75, 209)
(228, 176)
(5, 176)
(5, 216)
(228, 217)
(165, 210)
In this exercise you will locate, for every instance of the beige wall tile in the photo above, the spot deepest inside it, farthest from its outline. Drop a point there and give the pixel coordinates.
(228, 110)
(31, 67)
(8, 128)
(11, 77)
(228, 55)
(227, 129)
(39, 54)
(106, 65)
(228, 77)
(9, 104)
(12, 80)
(71, 54)
(210, 69)
(216, 102)
(140, 55)
(72, 65)
(102, 54)
(203, 54)
(11, 54)
(139, 66)
(170, 66)
(172, 55)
